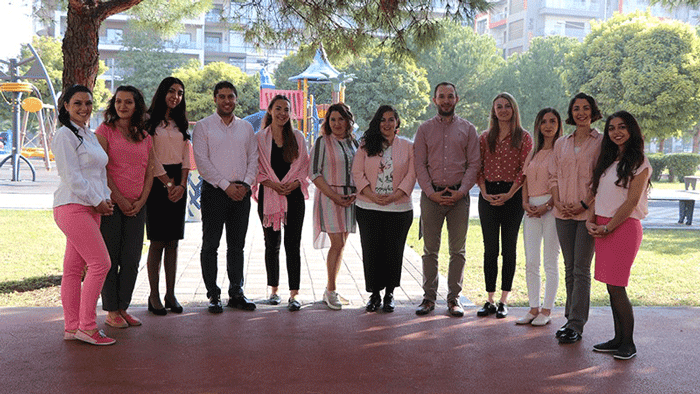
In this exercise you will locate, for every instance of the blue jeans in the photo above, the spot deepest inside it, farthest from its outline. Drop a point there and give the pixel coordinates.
(218, 209)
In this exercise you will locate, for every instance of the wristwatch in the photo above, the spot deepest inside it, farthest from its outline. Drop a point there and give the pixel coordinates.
(168, 185)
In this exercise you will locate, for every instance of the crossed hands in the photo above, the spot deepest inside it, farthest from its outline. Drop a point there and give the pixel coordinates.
(236, 191)
(534, 211)
(105, 208)
(496, 199)
(570, 210)
(446, 197)
(595, 230)
(385, 199)
(284, 189)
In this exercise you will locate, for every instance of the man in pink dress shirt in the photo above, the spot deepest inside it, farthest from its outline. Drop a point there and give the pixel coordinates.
(226, 153)
(447, 159)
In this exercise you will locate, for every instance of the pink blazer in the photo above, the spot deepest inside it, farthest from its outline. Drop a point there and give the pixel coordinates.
(366, 169)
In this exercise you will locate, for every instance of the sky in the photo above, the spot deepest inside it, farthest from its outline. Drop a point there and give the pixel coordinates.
(15, 26)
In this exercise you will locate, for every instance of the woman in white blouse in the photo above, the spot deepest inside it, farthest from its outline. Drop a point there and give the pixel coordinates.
(81, 198)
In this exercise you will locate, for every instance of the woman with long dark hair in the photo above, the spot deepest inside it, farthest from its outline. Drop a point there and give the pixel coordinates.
(570, 176)
(281, 188)
(620, 184)
(81, 199)
(539, 229)
(330, 170)
(504, 149)
(165, 214)
(384, 174)
(129, 176)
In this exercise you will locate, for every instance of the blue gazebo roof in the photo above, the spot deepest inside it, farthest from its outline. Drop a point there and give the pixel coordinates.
(320, 69)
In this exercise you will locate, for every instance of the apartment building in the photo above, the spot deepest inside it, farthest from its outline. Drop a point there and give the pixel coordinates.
(207, 38)
(514, 23)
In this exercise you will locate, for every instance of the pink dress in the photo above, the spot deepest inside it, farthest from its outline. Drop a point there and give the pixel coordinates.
(615, 253)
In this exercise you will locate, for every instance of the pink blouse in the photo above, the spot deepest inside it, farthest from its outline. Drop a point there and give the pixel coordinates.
(537, 173)
(127, 161)
(571, 171)
(169, 148)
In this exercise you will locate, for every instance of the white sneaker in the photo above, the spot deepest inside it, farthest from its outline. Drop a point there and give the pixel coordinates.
(331, 299)
(541, 320)
(526, 319)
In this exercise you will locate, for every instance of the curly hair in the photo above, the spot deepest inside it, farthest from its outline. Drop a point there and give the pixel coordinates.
(344, 112)
(137, 121)
(373, 138)
(632, 155)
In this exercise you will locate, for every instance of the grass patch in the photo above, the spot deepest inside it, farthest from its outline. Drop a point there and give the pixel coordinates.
(666, 257)
(31, 257)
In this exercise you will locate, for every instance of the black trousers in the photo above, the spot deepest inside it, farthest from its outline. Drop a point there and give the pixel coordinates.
(500, 222)
(292, 241)
(218, 209)
(383, 238)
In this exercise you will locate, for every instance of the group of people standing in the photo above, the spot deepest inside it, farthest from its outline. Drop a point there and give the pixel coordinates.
(139, 158)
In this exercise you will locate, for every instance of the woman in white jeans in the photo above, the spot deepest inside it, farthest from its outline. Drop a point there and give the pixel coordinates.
(539, 227)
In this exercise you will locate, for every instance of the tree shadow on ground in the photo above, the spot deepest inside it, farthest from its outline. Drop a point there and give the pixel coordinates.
(30, 284)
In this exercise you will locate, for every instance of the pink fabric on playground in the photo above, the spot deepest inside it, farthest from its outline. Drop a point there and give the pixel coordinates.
(84, 247)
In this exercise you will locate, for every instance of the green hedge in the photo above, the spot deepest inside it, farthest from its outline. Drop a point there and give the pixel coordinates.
(658, 165)
(681, 164)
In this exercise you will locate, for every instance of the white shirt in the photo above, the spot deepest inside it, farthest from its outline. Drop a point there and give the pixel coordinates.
(225, 153)
(81, 167)
(611, 196)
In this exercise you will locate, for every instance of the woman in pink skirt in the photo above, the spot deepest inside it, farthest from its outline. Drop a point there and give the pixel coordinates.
(620, 183)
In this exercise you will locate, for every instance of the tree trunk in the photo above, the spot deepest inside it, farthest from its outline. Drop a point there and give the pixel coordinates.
(661, 145)
(80, 43)
(696, 140)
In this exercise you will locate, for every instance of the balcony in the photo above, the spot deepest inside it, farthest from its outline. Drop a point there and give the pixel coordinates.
(574, 5)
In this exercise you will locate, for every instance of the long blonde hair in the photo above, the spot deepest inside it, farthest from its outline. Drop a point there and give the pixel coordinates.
(494, 128)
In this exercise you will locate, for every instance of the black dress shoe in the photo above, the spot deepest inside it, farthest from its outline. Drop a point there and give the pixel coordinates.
(569, 336)
(501, 310)
(174, 307)
(389, 304)
(241, 302)
(425, 307)
(157, 312)
(607, 347)
(455, 308)
(488, 309)
(215, 304)
(560, 331)
(625, 352)
(374, 303)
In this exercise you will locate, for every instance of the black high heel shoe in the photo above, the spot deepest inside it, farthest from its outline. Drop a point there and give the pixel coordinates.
(157, 312)
(175, 308)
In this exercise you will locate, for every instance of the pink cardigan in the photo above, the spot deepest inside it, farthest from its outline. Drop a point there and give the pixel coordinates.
(275, 208)
(366, 169)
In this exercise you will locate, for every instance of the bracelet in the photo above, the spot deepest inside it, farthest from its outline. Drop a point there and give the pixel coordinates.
(605, 229)
(583, 204)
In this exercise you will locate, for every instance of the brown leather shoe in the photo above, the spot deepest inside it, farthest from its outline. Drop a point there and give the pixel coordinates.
(455, 308)
(425, 307)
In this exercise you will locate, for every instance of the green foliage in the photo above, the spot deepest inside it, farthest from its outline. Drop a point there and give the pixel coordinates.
(658, 165)
(145, 61)
(163, 17)
(682, 164)
(199, 88)
(348, 25)
(647, 66)
(533, 78)
(380, 81)
(467, 59)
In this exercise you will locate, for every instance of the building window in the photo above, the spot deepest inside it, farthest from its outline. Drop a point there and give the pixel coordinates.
(215, 13)
(575, 29)
(238, 62)
(516, 6)
(481, 26)
(516, 29)
(212, 42)
(113, 36)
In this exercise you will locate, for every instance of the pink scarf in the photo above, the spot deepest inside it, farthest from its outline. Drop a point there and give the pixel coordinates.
(275, 205)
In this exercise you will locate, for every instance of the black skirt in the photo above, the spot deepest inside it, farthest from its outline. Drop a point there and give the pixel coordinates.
(165, 219)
